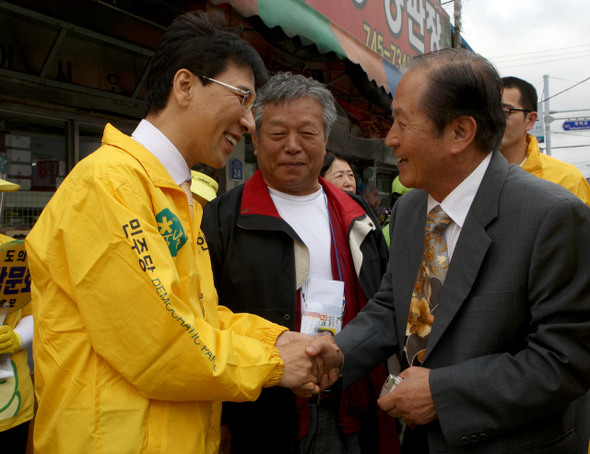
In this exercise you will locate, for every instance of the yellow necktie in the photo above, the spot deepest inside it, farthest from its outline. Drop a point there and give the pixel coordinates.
(186, 187)
(429, 283)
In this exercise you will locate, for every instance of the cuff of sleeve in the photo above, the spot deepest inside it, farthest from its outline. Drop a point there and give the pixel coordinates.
(270, 338)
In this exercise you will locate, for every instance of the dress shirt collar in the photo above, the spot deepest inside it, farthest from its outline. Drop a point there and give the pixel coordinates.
(458, 202)
(160, 146)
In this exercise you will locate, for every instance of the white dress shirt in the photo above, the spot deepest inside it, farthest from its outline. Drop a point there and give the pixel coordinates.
(458, 202)
(160, 146)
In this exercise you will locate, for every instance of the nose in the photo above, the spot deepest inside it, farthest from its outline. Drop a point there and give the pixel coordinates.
(391, 140)
(349, 181)
(292, 144)
(247, 122)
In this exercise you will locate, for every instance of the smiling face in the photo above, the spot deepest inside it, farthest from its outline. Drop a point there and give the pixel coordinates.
(340, 174)
(291, 145)
(217, 120)
(423, 155)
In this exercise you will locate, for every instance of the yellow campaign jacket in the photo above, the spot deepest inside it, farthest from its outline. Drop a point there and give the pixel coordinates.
(132, 352)
(552, 169)
(17, 398)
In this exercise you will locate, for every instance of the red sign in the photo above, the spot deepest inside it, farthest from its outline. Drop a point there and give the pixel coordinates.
(395, 29)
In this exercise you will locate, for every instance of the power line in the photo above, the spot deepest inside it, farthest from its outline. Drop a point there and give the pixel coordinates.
(569, 146)
(533, 57)
(542, 51)
(568, 133)
(567, 89)
(546, 61)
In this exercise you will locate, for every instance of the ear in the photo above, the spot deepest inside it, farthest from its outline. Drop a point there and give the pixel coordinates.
(531, 120)
(254, 137)
(464, 129)
(183, 87)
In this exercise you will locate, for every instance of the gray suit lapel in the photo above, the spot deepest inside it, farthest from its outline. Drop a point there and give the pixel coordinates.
(470, 250)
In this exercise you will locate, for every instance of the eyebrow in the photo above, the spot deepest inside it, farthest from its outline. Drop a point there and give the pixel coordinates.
(304, 123)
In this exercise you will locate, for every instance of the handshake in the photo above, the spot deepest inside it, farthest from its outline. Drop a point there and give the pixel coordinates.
(312, 363)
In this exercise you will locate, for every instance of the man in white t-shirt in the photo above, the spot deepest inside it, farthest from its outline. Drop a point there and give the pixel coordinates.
(322, 254)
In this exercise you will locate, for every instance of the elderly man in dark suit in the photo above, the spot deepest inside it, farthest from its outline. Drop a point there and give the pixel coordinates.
(490, 308)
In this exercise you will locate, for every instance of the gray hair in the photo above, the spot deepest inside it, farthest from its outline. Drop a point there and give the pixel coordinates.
(285, 87)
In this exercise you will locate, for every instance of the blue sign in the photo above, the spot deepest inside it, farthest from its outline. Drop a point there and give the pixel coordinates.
(236, 169)
(576, 125)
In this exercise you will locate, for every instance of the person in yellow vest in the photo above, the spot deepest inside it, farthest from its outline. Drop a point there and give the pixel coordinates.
(17, 398)
(132, 352)
(519, 99)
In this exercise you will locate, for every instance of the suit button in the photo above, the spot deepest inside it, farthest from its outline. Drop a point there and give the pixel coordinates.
(483, 437)
(465, 440)
(287, 317)
(474, 438)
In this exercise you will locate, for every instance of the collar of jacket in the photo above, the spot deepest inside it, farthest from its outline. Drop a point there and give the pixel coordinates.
(152, 165)
(256, 200)
(533, 160)
(258, 212)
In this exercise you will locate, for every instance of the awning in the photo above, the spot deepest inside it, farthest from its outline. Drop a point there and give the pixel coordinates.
(378, 36)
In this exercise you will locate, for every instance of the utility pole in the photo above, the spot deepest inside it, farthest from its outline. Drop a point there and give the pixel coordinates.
(547, 116)
(458, 24)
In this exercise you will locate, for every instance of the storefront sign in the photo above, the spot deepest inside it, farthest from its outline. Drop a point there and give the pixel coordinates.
(395, 29)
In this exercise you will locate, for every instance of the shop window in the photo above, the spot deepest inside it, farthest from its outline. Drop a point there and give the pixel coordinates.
(34, 151)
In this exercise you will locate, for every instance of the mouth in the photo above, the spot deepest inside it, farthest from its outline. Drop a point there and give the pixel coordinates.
(291, 164)
(402, 161)
(231, 139)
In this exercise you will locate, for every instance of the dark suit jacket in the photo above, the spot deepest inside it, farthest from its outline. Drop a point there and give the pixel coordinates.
(510, 345)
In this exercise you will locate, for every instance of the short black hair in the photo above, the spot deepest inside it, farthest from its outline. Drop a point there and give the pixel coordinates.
(528, 94)
(200, 42)
(329, 159)
(462, 83)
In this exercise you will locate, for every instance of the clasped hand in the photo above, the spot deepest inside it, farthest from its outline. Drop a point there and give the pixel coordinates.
(311, 363)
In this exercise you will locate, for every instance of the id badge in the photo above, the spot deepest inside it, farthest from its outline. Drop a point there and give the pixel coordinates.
(330, 323)
(322, 307)
(310, 319)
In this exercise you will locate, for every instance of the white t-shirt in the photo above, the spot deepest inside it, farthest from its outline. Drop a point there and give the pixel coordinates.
(308, 216)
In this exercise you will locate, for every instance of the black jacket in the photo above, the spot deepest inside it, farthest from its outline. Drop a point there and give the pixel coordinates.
(258, 263)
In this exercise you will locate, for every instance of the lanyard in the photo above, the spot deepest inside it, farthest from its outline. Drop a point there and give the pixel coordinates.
(337, 258)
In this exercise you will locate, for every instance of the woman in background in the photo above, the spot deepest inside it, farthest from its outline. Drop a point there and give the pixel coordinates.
(337, 170)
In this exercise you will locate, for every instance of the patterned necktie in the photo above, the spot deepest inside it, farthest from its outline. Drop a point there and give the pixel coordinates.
(186, 187)
(429, 282)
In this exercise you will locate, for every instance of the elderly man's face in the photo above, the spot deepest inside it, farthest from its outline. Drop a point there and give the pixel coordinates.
(291, 145)
(422, 154)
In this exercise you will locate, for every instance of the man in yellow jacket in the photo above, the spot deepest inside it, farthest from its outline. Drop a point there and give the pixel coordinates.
(519, 99)
(132, 352)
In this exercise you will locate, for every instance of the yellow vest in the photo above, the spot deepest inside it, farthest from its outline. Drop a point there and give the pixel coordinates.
(551, 169)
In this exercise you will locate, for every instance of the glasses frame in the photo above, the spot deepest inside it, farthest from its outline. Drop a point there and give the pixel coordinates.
(510, 110)
(245, 95)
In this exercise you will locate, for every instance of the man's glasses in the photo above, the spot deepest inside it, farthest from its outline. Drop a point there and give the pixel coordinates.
(246, 95)
(508, 111)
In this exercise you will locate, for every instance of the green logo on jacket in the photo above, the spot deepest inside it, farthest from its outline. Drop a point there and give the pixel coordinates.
(171, 229)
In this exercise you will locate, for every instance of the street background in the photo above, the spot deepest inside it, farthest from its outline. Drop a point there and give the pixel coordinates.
(531, 38)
